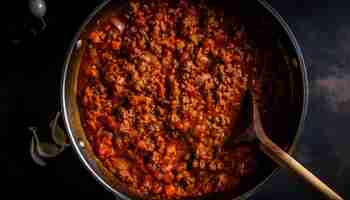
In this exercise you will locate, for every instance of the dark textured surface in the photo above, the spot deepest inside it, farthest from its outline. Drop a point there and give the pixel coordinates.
(29, 93)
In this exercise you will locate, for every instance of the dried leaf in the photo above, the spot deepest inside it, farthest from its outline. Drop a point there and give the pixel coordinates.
(60, 137)
(48, 150)
(57, 133)
(44, 149)
(35, 155)
(35, 136)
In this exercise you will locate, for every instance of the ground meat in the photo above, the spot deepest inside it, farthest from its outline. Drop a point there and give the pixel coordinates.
(163, 86)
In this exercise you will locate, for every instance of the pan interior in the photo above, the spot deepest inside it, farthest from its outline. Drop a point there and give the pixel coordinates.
(284, 120)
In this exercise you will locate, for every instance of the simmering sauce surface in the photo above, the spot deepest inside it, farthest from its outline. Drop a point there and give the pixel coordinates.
(161, 88)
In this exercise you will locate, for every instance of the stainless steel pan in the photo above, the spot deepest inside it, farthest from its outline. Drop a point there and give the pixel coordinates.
(295, 105)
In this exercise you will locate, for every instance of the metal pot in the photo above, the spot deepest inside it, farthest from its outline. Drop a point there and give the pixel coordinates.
(296, 107)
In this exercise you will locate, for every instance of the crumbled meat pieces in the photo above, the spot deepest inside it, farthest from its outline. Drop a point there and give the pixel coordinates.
(159, 95)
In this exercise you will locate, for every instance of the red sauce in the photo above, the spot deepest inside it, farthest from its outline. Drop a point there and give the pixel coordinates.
(161, 88)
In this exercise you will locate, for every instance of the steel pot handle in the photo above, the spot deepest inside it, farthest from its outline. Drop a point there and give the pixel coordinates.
(40, 150)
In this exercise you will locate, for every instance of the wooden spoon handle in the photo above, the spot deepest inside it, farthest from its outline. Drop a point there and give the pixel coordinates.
(286, 161)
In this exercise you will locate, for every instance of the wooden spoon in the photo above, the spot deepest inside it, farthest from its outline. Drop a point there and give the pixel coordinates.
(282, 158)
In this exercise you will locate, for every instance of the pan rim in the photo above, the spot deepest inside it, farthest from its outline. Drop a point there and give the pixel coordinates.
(64, 109)
(305, 100)
(249, 193)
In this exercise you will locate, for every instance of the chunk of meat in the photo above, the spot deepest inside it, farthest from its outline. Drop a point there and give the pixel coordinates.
(160, 90)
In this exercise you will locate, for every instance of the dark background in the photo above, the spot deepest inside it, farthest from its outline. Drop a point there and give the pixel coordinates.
(29, 95)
